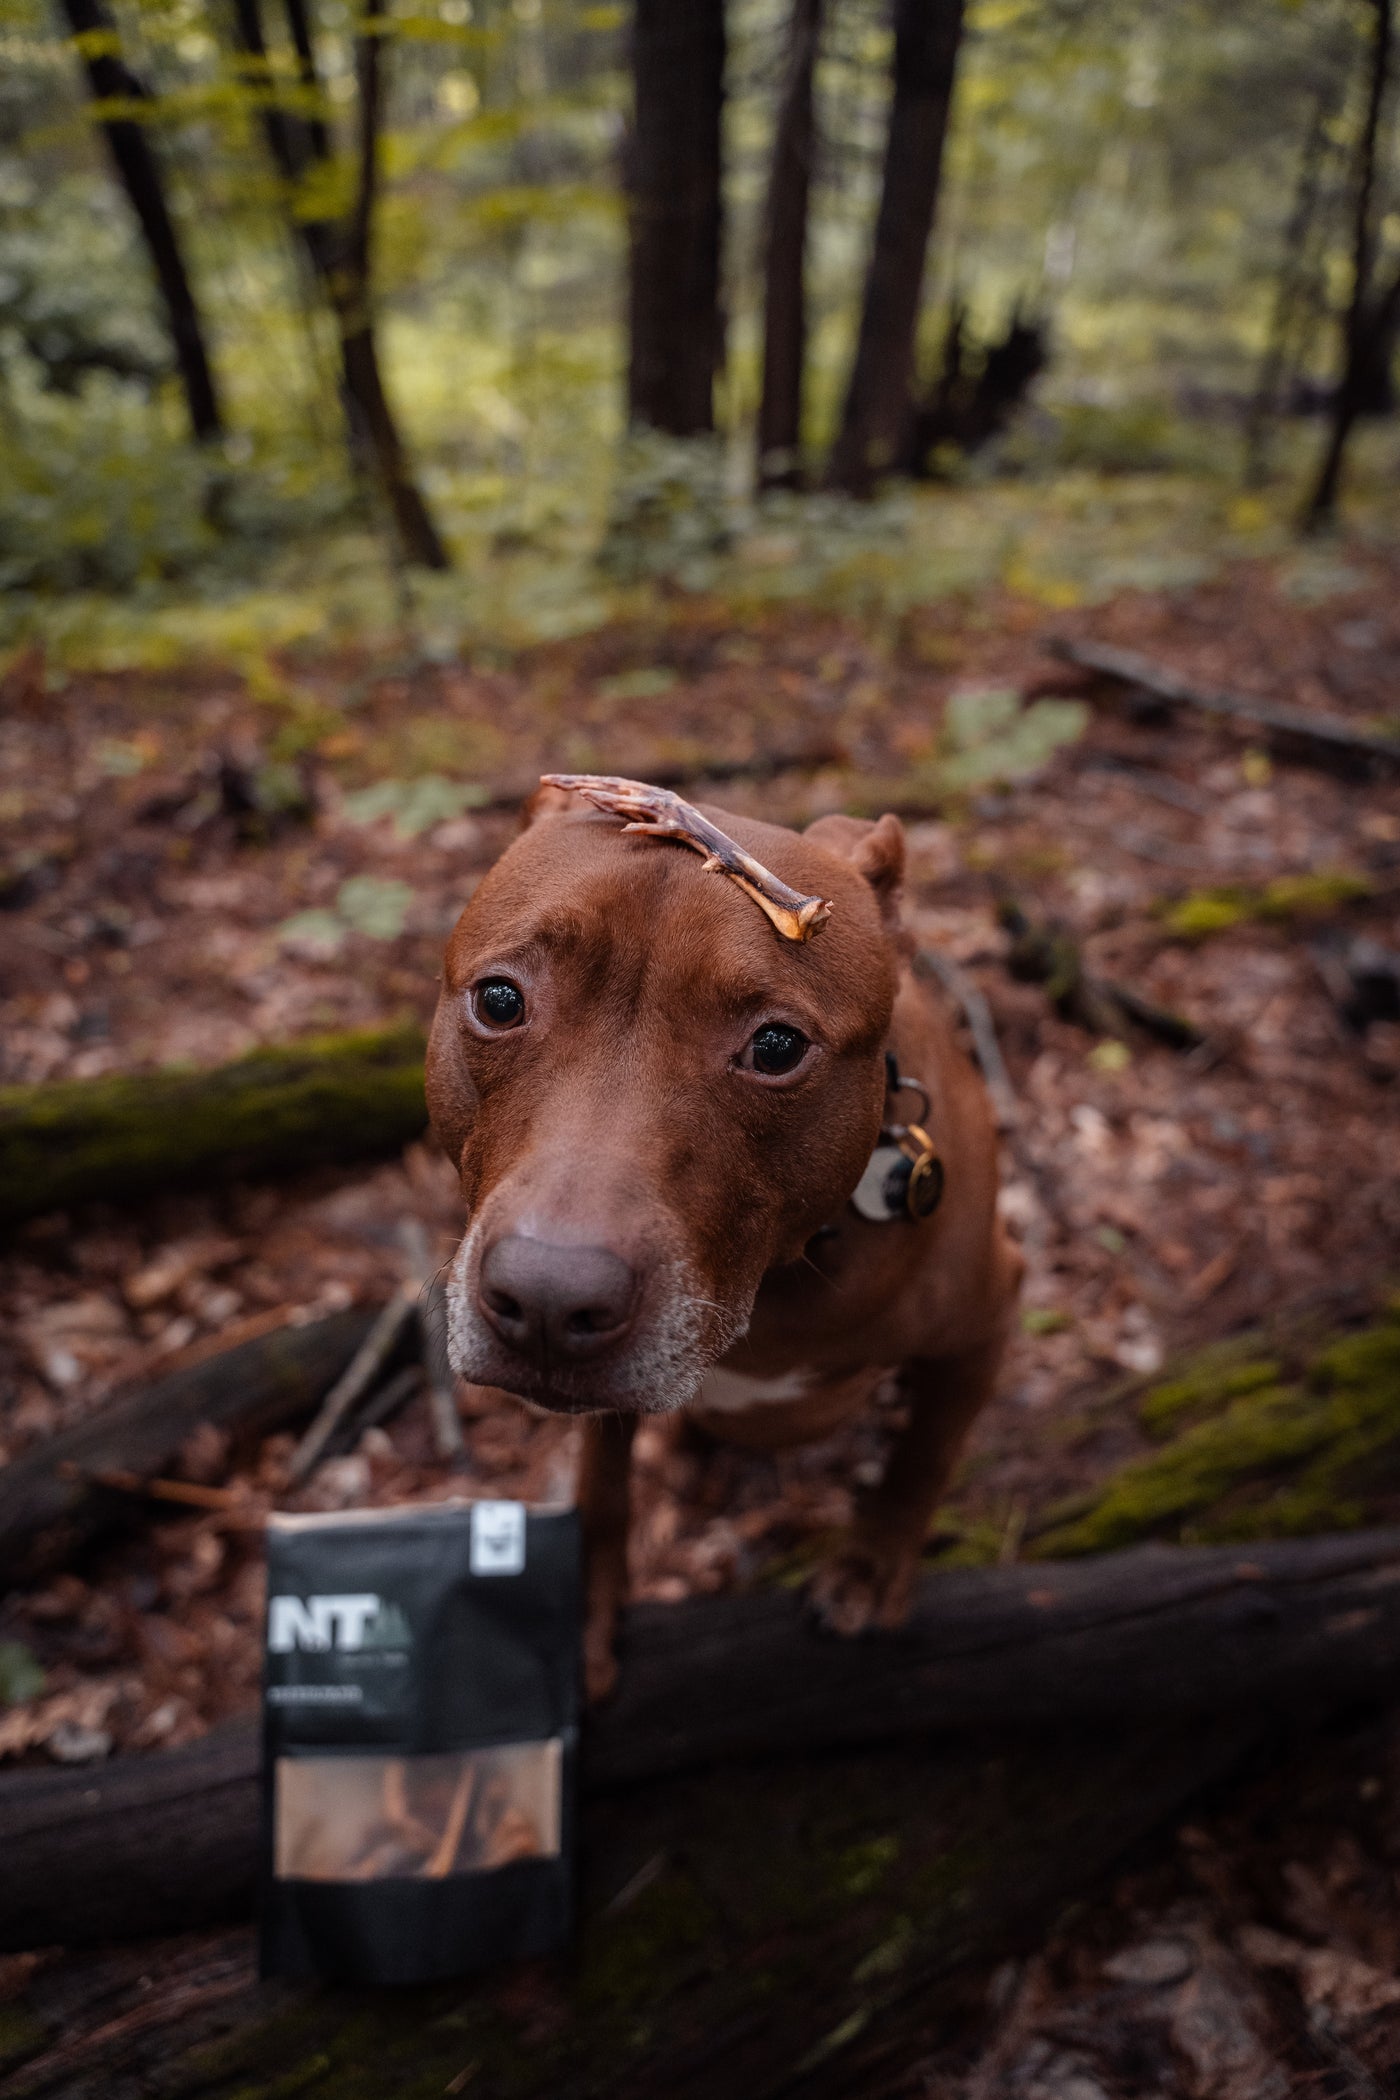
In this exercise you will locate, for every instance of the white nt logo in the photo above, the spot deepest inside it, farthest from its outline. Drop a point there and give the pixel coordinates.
(319, 1622)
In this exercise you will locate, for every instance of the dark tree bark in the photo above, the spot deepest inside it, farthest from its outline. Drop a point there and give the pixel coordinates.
(339, 252)
(785, 258)
(674, 317)
(874, 422)
(110, 79)
(276, 1111)
(260, 1384)
(1176, 1643)
(1373, 311)
(1289, 291)
(372, 419)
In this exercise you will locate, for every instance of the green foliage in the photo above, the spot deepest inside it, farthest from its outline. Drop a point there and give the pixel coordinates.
(1127, 176)
(1254, 1453)
(1287, 898)
(414, 805)
(364, 904)
(21, 1677)
(989, 735)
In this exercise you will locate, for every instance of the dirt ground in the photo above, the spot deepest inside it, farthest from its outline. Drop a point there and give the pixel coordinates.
(177, 850)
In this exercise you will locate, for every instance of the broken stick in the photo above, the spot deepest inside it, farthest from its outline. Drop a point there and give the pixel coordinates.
(658, 814)
(1326, 737)
(955, 980)
(355, 1381)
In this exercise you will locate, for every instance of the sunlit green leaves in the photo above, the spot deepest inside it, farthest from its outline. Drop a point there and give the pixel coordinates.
(414, 805)
(21, 1677)
(988, 736)
(364, 904)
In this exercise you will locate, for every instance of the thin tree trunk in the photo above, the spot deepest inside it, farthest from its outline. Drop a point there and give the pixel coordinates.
(340, 256)
(927, 35)
(676, 332)
(1365, 316)
(299, 27)
(785, 298)
(367, 403)
(110, 79)
(1288, 291)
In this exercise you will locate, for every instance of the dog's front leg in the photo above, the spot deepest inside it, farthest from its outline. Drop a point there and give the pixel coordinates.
(869, 1581)
(604, 1501)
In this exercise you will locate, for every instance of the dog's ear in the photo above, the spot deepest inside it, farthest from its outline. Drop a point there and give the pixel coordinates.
(875, 850)
(547, 802)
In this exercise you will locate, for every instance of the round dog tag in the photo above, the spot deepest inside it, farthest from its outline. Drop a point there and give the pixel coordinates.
(924, 1192)
(880, 1192)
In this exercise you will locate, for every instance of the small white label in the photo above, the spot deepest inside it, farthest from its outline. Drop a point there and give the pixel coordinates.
(498, 1538)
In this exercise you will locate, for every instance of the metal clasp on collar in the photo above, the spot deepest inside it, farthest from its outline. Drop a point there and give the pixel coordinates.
(904, 1177)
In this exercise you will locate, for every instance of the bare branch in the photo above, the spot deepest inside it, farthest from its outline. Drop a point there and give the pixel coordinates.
(657, 813)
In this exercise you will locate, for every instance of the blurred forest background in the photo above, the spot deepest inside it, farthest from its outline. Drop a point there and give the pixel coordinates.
(223, 221)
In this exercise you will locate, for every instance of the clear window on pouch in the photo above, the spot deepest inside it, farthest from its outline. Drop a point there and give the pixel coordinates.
(371, 1818)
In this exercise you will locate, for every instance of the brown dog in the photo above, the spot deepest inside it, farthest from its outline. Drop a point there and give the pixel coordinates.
(660, 1107)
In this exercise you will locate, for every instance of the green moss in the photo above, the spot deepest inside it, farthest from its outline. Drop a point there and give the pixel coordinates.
(1214, 1378)
(1282, 901)
(861, 1868)
(21, 2035)
(633, 1958)
(1268, 1458)
(1310, 896)
(327, 1098)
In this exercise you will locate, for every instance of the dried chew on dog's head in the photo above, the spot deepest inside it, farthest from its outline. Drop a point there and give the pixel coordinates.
(657, 813)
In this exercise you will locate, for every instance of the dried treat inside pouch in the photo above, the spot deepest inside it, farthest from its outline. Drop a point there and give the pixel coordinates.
(420, 1726)
(457, 1812)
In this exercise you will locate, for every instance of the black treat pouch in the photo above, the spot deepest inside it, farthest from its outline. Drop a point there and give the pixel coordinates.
(420, 1723)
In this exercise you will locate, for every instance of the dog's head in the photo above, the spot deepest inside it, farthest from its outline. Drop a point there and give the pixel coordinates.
(651, 1096)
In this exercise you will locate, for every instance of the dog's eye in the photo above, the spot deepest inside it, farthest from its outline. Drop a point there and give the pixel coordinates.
(498, 1002)
(775, 1048)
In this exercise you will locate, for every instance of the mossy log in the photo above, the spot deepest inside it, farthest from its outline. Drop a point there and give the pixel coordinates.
(787, 1928)
(1156, 1636)
(324, 1100)
(261, 1384)
(1259, 1439)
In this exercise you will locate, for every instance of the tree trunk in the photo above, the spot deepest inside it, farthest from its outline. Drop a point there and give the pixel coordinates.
(784, 295)
(927, 35)
(1367, 317)
(340, 257)
(323, 1101)
(1289, 289)
(676, 332)
(374, 430)
(128, 142)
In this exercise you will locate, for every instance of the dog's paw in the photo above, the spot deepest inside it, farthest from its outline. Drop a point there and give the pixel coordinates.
(856, 1591)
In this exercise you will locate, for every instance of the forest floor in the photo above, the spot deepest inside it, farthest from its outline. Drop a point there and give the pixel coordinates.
(196, 861)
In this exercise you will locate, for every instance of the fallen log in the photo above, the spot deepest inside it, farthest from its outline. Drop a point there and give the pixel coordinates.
(320, 1101)
(790, 1928)
(1162, 1638)
(1296, 731)
(262, 1384)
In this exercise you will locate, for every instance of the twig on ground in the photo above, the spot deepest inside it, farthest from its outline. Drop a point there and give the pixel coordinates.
(393, 1395)
(355, 1381)
(1324, 737)
(189, 1492)
(1047, 954)
(432, 1326)
(955, 980)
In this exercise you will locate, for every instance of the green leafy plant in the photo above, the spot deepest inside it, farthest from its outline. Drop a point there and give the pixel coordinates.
(414, 805)
(364, 904)
(988, 736)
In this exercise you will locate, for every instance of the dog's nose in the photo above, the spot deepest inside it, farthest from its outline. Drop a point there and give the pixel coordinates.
(546, 1301)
